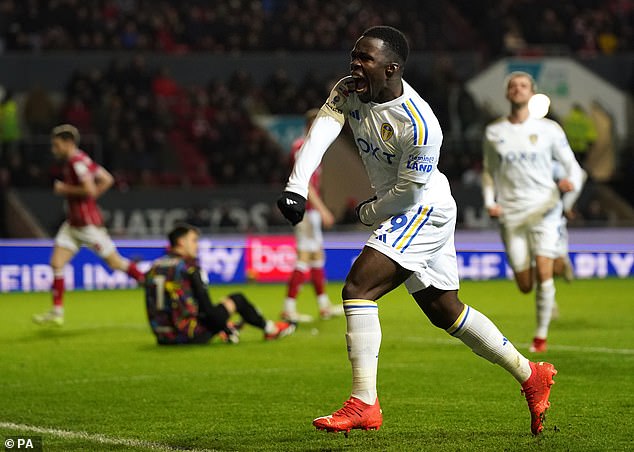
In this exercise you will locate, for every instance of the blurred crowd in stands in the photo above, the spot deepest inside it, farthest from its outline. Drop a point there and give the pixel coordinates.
(149, 130)
(495, 27)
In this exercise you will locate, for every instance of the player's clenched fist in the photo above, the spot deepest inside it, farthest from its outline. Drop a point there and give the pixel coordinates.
(292, 206)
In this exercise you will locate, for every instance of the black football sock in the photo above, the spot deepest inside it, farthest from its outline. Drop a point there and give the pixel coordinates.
(247, 311)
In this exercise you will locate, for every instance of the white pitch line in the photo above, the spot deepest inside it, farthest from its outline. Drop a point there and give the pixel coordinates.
(554, 347)
(574, 348)
(93, 437)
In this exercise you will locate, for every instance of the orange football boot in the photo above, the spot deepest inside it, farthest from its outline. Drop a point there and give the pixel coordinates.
(537, 390)
(355, 414)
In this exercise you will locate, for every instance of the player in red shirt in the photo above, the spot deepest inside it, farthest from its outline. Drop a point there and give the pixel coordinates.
(309, 239)
(84, 182)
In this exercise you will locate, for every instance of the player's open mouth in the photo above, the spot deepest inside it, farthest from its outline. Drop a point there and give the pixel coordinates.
(360, 84)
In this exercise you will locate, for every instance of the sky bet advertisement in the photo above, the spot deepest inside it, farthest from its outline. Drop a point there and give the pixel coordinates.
(24, 264)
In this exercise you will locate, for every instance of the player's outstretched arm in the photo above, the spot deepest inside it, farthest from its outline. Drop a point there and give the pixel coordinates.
(322, 134)
(325, 129)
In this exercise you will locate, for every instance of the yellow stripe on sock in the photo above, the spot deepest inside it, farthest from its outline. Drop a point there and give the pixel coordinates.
(452, 329)
(359, 306)
(358, 302)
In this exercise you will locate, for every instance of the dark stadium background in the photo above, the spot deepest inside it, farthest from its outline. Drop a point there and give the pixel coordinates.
(172, 95)
(192, 105)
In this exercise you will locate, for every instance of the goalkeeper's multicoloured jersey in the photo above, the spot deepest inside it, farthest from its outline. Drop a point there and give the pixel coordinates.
(169, 297)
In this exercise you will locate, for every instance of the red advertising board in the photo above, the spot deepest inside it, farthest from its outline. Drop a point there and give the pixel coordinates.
(270, 258)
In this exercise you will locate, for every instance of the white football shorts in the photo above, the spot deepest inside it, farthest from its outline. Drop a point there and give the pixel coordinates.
(422, 240)
(562, 242)
(94, 237)
(308, 234)
(522, 243)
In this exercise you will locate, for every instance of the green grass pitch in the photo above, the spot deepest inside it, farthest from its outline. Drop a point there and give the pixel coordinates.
(100, 383)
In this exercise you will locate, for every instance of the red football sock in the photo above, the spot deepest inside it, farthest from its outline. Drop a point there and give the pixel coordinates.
(319, 279)
(294, 284)
(58, 291)
(134, 272)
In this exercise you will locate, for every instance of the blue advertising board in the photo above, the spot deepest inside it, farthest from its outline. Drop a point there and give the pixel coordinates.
(24, 264)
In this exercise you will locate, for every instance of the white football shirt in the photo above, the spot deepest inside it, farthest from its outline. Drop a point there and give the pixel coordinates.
(519, 159)
(397, 140)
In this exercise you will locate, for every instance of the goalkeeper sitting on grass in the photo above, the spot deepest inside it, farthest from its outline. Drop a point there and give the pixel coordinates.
(178, 305)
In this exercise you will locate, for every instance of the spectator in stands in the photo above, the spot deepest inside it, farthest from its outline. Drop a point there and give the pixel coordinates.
(307, 25)
(77, 112)
(164, 85)
(10, 132)
(39, 111)
(580, 131)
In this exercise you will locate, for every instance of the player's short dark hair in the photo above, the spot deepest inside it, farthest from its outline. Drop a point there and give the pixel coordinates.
(179, 231)
(66, 132)
(394, 39)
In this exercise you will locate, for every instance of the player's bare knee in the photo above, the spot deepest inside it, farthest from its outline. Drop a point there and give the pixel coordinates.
(525, 287)
(544, 276)
(524, 282)
(354, 288)
(442, 308)
(439, 316)
(351, 290)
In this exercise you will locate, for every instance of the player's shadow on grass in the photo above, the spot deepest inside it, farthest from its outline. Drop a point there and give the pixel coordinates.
(152, 346)
(389, 438)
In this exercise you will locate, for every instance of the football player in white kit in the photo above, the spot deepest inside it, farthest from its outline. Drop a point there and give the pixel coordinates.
(413, 216)
(519, 190)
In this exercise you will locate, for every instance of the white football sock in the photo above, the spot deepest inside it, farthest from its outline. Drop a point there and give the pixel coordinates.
(482, 336)
(323, 301)
(364, 340)
(290, 305)
(58, 310)
(544, 301)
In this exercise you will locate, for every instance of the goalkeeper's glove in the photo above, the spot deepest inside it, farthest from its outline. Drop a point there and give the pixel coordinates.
(365, 212)
(292, 206)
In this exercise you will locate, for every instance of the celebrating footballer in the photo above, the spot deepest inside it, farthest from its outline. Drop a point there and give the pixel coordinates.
(413, 217)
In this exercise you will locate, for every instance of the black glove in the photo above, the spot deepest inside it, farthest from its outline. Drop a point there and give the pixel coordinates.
(358, 208)
(292, 206)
